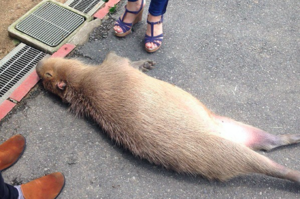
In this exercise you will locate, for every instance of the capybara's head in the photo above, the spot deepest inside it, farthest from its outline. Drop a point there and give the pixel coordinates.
(52, 72)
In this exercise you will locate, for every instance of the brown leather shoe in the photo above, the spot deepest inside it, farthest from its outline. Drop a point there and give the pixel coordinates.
(11, 150)
(46, 187)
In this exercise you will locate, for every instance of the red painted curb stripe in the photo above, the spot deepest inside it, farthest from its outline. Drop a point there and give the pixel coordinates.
(20, 92)
(105, 10)
(64, 50)
(5, 108)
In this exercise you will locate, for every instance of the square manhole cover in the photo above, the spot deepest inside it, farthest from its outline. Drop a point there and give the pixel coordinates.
(48, 24)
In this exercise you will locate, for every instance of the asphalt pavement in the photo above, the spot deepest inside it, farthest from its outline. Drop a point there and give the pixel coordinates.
(240, 58)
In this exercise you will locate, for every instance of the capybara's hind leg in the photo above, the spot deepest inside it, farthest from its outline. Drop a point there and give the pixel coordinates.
(143, 65)
(252, 137)
(228, 159)
(279, 171)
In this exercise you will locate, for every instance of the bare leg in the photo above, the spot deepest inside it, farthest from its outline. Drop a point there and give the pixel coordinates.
(143, 65)
(252, 137)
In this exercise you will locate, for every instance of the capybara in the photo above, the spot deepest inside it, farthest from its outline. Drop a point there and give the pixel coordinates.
(160, 122)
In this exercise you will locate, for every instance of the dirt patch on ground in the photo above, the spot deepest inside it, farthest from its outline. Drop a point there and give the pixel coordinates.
(10, 11)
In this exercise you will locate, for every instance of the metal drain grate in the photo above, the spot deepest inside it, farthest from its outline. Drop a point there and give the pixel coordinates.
(15, 68)
(50, 24)
(84, 5)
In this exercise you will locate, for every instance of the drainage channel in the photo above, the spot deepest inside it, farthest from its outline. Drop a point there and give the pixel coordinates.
(15, 67)
(85, 6)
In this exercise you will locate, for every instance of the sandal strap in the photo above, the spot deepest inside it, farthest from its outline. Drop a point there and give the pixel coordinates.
(133, 12)
(126, 26)
(157, 22)
(154, 39)
(154, 23)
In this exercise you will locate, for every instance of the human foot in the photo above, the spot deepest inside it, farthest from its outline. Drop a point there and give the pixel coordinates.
(133, 14)
(154, 33)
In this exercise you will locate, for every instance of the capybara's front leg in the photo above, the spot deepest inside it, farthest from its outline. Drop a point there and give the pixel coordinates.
(143, 65)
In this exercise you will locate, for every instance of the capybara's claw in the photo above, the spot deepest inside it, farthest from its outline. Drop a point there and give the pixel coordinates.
(143, 65)
(148, 65)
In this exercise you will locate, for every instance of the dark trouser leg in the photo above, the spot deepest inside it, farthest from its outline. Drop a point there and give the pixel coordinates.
(158, 7)
(7, 191)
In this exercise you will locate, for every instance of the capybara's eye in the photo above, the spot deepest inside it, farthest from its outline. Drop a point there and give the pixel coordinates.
(48, 75)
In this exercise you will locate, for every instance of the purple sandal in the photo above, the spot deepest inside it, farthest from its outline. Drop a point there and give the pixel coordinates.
(152, 38)
(127, 27)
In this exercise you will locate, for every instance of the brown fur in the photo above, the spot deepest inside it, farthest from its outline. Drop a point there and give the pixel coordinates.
(157, 121)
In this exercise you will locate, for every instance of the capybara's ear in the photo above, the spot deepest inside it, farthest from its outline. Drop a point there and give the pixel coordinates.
(62, 85)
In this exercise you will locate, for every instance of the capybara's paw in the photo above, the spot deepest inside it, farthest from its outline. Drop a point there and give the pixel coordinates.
(147, 65)
(143, 65)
